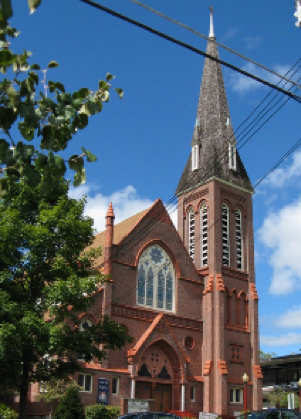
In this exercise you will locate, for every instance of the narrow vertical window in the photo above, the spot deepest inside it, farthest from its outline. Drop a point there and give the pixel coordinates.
(204, 235)
(232, 156)
(195, 157)
(191, 233)
(239, 243)
(225, 234)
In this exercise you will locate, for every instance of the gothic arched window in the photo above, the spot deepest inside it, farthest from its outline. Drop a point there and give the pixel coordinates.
(239, 242)
(225, 234)
(156, 279)
(232, 156)
(204, 234)
(191, 232)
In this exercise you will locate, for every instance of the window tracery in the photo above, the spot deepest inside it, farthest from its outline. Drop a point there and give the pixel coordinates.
(155, 284)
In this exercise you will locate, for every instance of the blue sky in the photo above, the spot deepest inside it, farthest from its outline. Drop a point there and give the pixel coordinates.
(142, 143)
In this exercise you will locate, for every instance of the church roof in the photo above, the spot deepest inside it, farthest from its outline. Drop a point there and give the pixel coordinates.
(213, 132)
(120, 231)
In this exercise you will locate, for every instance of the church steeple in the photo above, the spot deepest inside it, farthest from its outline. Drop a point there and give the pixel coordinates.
(213, 153)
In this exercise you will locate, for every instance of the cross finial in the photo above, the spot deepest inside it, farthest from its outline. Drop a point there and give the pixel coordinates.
(211, 33)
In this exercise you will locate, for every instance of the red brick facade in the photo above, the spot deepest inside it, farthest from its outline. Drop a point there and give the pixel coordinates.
(192, 354)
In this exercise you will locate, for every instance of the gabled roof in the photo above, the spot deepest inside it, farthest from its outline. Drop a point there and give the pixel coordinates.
(213, 132)
(120, 231)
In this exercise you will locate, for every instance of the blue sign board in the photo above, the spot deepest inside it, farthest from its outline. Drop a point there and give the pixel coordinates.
(103, 391)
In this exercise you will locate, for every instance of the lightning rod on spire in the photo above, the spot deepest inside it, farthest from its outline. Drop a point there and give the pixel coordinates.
(211, 33)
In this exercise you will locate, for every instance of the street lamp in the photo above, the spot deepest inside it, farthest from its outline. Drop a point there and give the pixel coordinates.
(245, 379)
(299, 385)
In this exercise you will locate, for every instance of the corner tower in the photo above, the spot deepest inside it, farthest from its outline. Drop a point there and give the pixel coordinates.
(215, 222)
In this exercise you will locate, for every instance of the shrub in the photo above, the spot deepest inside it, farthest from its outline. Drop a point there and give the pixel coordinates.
(100, 411)
(70, 406)
(7, 413)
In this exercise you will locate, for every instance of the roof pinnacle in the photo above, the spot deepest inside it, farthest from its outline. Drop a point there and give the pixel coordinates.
(211, 33)
(110, 212)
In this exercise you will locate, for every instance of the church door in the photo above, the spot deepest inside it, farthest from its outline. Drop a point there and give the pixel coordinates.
(162, 396)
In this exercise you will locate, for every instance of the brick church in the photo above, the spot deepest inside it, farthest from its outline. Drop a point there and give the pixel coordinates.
(188, 296)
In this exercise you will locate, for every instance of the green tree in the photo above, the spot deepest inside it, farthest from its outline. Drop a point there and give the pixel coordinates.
(46, 278)
(54, 390)
(46, 116)
(266, 355)
(278, 398)
(70, 406)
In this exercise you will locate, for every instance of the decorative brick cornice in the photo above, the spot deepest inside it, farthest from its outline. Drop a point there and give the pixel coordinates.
(253, 291)
(220, 283)
(209, 286)
(207, 367)
(257, 371)
(222, 366)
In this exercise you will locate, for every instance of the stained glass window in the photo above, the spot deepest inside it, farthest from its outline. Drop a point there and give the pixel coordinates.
(155, 281)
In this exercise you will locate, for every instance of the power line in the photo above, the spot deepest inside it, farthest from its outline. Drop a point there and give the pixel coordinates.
(191, 48)
(295, 146)
(182, 25)
(222, 157)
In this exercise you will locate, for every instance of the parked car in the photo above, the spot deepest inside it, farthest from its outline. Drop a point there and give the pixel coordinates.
(272, 413)
(151, 415)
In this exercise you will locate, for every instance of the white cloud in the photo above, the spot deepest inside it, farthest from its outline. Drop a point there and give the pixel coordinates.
(282, 340)
(252, 42)
(230, 33)
(280, 233)
(290, 319)
(126, 202)
(243, 84)
(282, 176)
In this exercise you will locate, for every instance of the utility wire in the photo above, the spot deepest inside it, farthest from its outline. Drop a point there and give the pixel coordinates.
(295, 146)
(290, 151)
(152, 223)
(191, 48)
(182, 25)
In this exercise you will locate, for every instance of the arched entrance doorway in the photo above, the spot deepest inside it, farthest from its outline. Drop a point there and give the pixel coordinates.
(158, 376)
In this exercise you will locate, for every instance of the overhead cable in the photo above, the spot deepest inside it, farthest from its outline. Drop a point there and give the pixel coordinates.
(191, 48)
(182, 25)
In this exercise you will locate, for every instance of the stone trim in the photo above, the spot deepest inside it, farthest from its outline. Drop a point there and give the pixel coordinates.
(209, 287)
(207, 367)
(220, 283)
(257, 371)
(253, 292)
(222, 366)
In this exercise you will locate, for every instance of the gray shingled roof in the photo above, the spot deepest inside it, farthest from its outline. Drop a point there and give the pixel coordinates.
(212, 133)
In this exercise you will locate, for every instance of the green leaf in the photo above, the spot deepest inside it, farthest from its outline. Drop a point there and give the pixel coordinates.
(6, 9)
(79, 177)
(81, 94)
(90, 156)
(120, 92)
(59, 166)
(33, 177)
(3, 187)
(4, 146)
(102, 84)
(41, 162)
(33, 5)
(6, 57)
(35, 67)
(3, 44)
(34, 76)
(53, 64)
(75, 162)
(109, 77)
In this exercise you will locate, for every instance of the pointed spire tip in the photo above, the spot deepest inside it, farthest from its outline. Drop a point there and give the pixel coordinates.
(110, 212)
(211, 32)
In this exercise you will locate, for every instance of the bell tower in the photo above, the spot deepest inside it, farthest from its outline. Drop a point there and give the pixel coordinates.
(215, 222)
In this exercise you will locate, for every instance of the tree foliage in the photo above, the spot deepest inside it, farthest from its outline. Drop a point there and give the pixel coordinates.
(70, 406)
(47, 117)
(100, 411)
(278, 398)
(267, 355)
(45, 280)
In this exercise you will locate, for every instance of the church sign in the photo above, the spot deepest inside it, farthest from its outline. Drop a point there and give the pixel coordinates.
(103, 391)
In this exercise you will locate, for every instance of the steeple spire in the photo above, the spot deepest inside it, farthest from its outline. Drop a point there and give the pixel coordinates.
(213, 137)
(211, 33)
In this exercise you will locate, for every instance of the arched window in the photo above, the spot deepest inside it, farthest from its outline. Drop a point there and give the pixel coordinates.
(156, 279)
(191, 233)
(239, 242)
(84, 325)
(232, 156)
(204, 234)
(225, 234)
